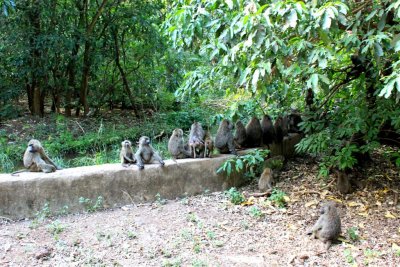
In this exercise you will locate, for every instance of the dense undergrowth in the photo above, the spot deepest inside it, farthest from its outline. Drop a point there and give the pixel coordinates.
(90, 141)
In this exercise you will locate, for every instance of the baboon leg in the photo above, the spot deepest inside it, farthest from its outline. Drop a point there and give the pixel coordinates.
(328, 244)
(49, 161)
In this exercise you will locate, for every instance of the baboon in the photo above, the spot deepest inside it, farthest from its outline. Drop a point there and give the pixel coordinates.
(196, 139)
(268, 130)
(328, 226)
(36, 160)
(224, 138)
(208, 145)
(293, 120)
(280, 128)
(240, 135)
(254, 132)
(126, 154)
(309, 98)
(176, 146)
(342, 182)
(266, 179)
(146, 153)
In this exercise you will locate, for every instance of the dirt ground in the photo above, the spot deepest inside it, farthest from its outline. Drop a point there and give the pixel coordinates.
(208, 230)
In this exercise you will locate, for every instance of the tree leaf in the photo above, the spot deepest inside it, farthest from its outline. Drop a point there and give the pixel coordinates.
(256, 74)
(291, 19)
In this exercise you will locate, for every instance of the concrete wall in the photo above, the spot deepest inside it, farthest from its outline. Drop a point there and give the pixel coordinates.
(24, 195)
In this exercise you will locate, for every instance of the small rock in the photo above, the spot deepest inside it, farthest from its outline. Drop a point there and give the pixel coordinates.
(44, 253)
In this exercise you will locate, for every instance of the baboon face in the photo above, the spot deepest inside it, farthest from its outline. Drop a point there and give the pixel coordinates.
(177, 132)
(144, 140)
(34, 146)
(126, 144)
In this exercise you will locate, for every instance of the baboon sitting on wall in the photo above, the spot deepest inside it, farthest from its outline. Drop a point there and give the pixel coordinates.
(196, 140)
(328, 226)
(224, 138)
(254, 133)
(126, 154)
(281, 128)
(36, 160)
(146, 153)
(240, 135)
(268, 130)
(176, 146)
(293, 120)
(208, 145)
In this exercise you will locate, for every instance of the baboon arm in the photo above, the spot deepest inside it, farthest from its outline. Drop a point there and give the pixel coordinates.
(129, 160)
(139, 161)
(187, 153)
(231, 146)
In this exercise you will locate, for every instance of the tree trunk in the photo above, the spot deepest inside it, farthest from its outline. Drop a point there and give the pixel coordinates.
(37, 105)
(85, 78)
(123, 76)
(86, 59)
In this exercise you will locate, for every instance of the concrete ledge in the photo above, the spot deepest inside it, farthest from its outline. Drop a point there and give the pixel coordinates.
(24, 195)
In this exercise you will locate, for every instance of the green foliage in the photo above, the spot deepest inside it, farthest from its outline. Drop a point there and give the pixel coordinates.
(41, 215)
(278, 198)
(255, 211)
(90, 206)
(348, 255)
(235, 196)
(353, 234)
(159, 200)
(56, 228)
(248, 163)
(271, 53)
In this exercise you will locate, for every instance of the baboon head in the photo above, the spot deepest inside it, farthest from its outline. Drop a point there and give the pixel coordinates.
(177, 132)
(226, 124)
(126, 144)
(144, 140)
(327, 207)
(34, 146)
(195, 125)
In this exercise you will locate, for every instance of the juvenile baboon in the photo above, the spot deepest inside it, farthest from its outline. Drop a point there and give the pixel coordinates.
(176, 146)
(266, 179)
(196, 139)
(342, 182)
(280, 128)
(268, 130)
(126, 154)
(328, 226)
(240, 135)
(254, 132)
(36, 160)
(146, 153)
(208, 145)
(224, 138)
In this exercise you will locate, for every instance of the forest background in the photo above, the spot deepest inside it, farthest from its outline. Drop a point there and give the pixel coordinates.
(81, 76)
